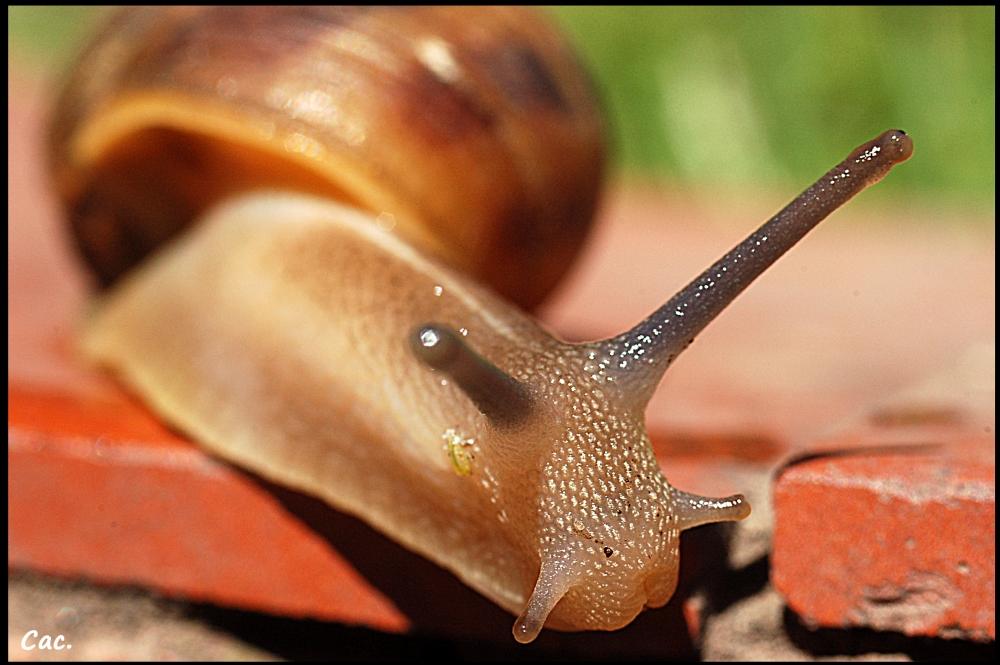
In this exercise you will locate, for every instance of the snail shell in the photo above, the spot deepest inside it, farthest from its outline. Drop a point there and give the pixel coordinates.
(297, 336)
(473, 129)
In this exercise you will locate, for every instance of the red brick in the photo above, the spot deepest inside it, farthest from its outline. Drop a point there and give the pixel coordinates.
(888, 521)
(890, 540)
(101, 490)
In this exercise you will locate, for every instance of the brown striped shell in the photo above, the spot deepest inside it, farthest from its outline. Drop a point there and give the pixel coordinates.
(471, 129)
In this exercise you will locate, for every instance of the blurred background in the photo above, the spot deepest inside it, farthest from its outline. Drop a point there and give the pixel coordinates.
(745, 100)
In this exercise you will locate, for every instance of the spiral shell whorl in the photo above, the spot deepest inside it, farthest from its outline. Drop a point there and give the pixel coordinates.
(479, 139)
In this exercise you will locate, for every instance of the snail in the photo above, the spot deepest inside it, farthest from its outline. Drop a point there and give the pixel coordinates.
(300, 175)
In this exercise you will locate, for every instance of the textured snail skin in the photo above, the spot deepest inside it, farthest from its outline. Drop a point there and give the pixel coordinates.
(299, 338)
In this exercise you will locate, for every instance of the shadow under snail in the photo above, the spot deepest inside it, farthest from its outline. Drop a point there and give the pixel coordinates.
(334, 185)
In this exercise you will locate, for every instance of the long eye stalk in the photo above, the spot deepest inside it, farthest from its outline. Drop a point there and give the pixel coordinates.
(640, 356)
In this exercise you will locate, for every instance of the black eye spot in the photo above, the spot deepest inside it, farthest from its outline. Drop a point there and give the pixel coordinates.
(608, 552)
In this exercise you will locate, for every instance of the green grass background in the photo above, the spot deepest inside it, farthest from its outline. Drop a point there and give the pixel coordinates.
(736, 99)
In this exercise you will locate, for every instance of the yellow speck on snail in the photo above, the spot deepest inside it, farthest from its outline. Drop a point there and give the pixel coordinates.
(457, 447)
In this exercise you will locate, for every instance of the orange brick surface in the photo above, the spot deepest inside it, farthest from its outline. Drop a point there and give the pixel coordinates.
(889, 522)
(101, 489)
(889, 541)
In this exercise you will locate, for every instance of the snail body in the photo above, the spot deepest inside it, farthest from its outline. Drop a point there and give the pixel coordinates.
(304, 339)
(352, 415)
